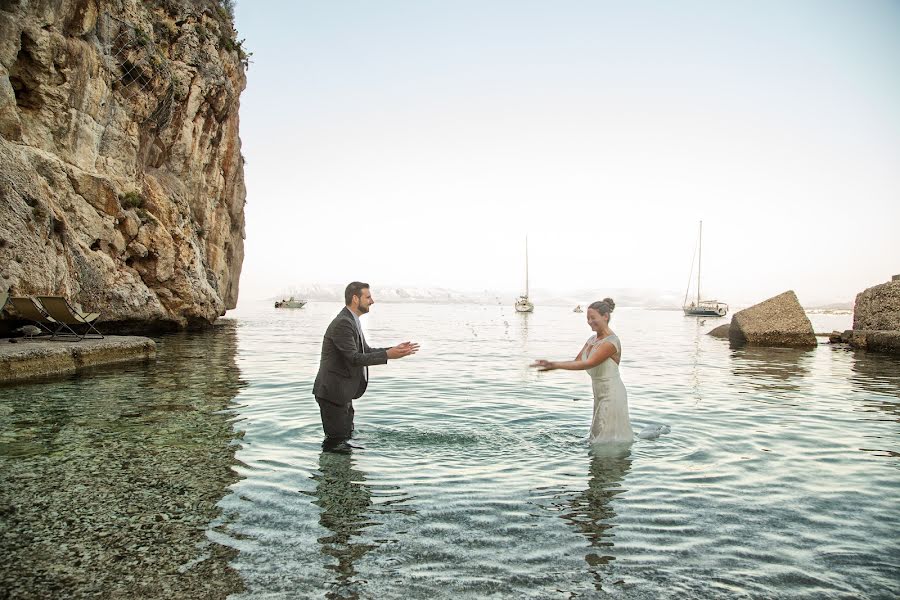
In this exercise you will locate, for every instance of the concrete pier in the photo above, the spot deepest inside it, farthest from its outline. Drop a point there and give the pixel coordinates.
(41, 357)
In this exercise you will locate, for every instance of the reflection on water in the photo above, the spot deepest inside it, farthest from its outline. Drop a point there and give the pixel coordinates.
(349, 505)
(772, 369)
(877, 377)
(344, 499)
(522, 322)
(591, 510)
(98, 469)
(878, 374)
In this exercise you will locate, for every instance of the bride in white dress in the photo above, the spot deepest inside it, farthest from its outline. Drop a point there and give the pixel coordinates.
(600, 357)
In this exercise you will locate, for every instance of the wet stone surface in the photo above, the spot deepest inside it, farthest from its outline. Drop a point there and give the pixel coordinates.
(23, 358)
(109, 482)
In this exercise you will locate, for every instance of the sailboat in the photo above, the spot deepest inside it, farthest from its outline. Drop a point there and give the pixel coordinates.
(523, 304)
(701, 308)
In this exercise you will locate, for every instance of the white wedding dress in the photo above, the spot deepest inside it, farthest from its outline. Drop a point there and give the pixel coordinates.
(610, 423)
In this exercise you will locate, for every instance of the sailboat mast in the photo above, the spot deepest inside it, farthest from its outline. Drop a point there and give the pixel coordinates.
(526, 266)
(699, 261)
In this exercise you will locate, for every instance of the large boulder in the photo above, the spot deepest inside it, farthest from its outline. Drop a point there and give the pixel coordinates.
(878, 308)
(778, 321)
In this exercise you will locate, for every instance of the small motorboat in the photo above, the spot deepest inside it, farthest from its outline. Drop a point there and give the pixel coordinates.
(577, 309)
(290, 303)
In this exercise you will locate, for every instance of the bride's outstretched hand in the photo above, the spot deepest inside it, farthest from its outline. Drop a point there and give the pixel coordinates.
(543, 365)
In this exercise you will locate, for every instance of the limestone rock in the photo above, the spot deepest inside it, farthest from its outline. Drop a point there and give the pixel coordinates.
(778, 321)
(722, 331)
(121, 176)
(879, 341)
(878, 308)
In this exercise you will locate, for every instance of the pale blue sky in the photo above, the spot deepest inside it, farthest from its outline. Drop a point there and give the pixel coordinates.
(439, 133)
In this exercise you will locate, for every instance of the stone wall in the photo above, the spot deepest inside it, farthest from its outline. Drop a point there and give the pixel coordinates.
(121, 176)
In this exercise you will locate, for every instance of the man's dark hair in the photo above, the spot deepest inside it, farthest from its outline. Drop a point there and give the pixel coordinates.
(355, 288)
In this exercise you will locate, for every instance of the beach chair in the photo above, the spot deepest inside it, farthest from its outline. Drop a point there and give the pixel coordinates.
(67, 316)
(27, 309)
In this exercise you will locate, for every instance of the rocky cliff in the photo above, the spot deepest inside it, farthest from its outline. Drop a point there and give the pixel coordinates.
(121, 176)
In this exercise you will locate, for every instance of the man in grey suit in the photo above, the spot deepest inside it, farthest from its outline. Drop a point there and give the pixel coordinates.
(344, 365)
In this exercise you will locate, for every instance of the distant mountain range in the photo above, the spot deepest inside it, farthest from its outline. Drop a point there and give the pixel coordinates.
(624, 297)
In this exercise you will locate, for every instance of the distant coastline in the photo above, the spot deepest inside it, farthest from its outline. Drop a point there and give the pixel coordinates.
(625, 297)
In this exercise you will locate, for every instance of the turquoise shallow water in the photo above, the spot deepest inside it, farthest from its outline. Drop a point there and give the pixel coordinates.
(779, 477)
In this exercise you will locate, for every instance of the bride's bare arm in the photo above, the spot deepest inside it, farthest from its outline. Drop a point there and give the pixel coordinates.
(600, 353)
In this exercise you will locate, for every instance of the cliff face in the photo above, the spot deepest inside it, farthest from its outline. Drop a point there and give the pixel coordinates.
(121, 176)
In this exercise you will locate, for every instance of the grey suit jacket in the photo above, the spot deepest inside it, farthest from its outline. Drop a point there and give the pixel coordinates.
(345, 356)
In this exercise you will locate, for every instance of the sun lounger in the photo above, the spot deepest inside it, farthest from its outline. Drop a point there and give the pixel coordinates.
(27, 309)
(67, 316)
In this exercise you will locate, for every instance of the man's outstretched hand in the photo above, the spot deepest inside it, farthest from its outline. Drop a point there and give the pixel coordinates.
(401, 350)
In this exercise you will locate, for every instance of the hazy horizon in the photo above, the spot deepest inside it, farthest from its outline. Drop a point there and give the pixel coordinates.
(417, 144)
(624, 297)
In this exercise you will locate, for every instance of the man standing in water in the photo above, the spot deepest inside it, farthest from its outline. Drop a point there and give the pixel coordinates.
(344, 366)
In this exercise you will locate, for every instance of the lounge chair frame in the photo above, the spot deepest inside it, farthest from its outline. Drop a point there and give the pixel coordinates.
(32, 311)
(67, 316)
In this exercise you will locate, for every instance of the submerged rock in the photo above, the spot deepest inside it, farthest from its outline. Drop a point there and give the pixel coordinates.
(722, 331)
(778, 321)
(879, 341)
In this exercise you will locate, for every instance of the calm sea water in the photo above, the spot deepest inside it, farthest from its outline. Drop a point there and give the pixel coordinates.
(779, 477)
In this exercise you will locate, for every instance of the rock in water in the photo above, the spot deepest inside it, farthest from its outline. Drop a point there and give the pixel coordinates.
(878, 308)
(651, 432)
(778, 321)
(722, 331)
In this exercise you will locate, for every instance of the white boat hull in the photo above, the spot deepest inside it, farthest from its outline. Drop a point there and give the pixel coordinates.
(290, 304)
(706, 308)
(523, 305)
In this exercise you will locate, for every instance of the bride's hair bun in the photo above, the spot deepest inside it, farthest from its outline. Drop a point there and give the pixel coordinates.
(604, 307)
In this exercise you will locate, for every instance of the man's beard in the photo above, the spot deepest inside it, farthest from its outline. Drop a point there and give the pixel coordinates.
(363, 309)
